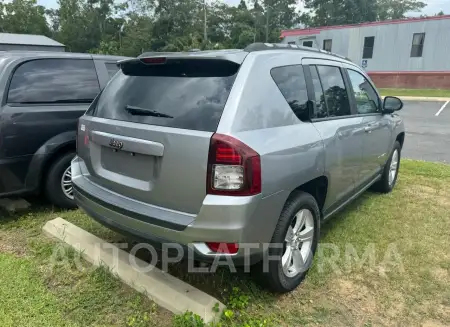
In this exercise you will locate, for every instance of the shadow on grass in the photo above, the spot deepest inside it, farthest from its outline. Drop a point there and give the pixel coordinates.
(338, 219)
(219, 283)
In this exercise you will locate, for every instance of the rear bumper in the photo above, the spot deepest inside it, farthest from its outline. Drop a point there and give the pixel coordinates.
(249, 221)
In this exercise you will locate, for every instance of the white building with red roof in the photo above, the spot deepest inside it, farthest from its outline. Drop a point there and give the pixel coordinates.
(410, 53)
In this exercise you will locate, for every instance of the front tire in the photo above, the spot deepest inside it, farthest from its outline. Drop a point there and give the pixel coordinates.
(297, 234)
(58, 186)
(390, 173)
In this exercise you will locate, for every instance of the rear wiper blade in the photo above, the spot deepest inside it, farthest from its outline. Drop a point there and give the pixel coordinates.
(138, 111)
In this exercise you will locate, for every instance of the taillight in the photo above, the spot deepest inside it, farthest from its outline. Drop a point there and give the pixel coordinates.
(154, 60)
(226, 248)
(233, 167)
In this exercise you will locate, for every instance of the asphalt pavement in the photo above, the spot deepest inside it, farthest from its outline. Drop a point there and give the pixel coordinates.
(427, 126)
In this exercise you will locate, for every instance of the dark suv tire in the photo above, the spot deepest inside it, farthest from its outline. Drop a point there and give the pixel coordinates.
(57, 189)
(389, 178)
(285, 273)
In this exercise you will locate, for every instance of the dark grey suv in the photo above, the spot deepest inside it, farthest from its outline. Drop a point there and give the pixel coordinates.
(219, 150)
(42, 95)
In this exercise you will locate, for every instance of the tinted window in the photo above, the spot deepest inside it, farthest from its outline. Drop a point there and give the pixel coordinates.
(366, 97)
(320, 109)
(308, 44)
(327, 45)
(417, 44)
(336, 96)
(54, 81)
(369, 43)
(291, 82)
(189, 94)
(111, 68)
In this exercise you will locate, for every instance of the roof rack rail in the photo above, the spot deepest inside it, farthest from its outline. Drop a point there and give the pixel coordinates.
(259, 46)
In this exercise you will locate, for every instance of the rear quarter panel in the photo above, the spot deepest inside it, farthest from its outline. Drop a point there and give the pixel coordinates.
(257, 114)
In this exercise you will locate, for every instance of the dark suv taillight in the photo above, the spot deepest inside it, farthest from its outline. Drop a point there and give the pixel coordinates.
(233, 167)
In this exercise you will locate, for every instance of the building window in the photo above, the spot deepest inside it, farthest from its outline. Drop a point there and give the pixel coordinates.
(417, 44)
(308, 44)
(368, 47)
(292, 42)
(327, 45)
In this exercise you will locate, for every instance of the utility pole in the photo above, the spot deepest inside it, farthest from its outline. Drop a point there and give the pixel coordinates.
(267, 23)
(206, 24)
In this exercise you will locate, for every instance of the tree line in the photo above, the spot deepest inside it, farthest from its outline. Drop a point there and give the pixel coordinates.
(131, 27)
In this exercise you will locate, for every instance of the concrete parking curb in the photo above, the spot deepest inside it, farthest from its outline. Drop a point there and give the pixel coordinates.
(408, 98)
(162, 288)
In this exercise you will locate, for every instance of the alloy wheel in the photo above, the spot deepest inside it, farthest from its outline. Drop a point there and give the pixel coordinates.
(298, 244)
(393, 167)
(66, 183)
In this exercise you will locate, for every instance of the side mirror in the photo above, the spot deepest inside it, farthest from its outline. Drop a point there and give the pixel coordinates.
(392, 104)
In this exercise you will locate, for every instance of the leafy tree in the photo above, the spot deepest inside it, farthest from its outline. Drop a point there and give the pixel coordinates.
(396, 9)
(23, 16)
(334, 12)
(130, 27)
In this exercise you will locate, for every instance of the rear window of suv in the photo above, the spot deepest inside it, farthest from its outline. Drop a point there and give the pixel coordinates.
(181, 93)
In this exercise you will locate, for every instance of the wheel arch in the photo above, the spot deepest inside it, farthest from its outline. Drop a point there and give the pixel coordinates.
(45, 156)
(401, 138)
(317, 187)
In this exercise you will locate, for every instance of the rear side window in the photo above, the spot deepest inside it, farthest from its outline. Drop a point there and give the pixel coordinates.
(54, 81)
(112, 68)
(189, 94)
(336, 96)
(292, 84)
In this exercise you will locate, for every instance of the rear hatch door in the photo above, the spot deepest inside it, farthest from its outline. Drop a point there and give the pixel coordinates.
(147, 135)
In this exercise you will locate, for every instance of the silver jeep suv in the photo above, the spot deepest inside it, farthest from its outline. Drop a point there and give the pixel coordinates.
(216, 150)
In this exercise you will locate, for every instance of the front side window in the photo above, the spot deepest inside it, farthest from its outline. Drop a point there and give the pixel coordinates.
(365, 96)
(327, 45)
(417, 44)
(46, 81)
(369, 43)
(336, 96)
(292, 84)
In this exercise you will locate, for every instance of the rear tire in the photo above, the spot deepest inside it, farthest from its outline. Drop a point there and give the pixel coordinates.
(389, 178)
(283, 274)
(54, 183)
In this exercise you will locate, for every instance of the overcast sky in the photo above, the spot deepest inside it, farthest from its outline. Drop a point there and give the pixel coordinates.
(434, 6)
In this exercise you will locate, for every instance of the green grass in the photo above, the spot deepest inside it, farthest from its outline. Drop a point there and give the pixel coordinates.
(416, 92)
(43, 283)
(407, 283)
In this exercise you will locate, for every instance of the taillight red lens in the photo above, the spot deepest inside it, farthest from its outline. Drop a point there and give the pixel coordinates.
(227, 154)
(227, 248)
(233, 167)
